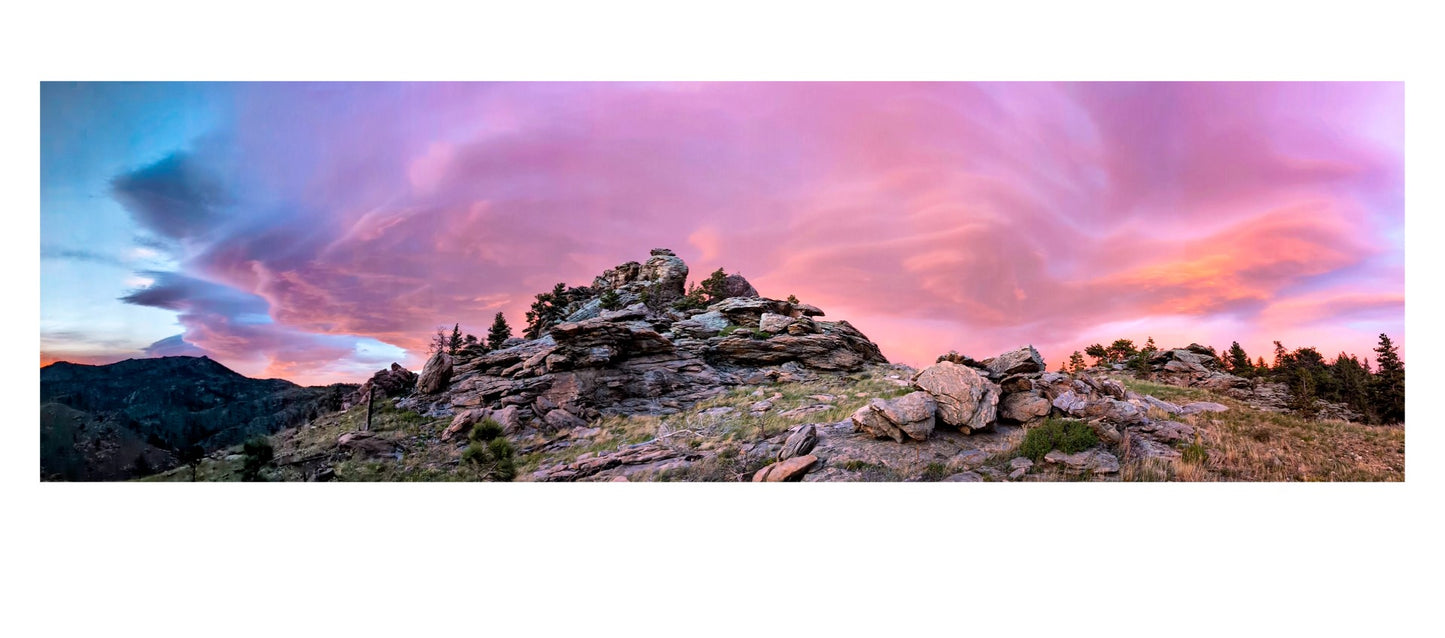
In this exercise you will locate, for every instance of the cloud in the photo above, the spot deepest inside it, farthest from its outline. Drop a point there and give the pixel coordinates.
(934, 216)
(72, 254)
(173, 346)
(176, 197)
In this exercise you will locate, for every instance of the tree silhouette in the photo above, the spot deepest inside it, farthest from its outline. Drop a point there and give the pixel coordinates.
(499, 332)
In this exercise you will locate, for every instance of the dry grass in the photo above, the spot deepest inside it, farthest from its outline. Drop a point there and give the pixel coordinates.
(1245, 444)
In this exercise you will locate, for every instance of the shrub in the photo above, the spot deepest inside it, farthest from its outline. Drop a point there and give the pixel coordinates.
(486, 431)
(935, 472)
(1065, 435)
(490, 452)
(258, 454)
(610, 300)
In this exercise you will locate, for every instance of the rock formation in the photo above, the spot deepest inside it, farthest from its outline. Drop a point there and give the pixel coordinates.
(649, 356)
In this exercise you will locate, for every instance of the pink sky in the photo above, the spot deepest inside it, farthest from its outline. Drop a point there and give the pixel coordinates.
(936, 216)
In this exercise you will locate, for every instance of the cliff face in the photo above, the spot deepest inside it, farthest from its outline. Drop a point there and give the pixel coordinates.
(116, 421)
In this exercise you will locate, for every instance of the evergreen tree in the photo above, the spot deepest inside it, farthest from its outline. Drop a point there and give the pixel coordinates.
(1098, 352)
(1389, 381)
(1076, 362)
(1238, 361)
(499, 332)
(713, 285)
(1260, 366)
(609, 300)
(1121, 350)
(546, 310)
(454, 342)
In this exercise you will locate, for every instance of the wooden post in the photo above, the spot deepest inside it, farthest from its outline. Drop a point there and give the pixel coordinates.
(369, 391)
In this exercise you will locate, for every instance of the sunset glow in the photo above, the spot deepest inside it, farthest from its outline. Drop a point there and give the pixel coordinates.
(317, 232)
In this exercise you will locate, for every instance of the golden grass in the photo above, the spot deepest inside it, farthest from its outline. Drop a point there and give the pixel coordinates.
(1246, 444)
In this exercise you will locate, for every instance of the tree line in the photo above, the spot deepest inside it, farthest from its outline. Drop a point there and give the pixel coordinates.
(1377, 393)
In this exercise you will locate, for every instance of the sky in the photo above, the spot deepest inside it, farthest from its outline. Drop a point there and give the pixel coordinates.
(319, 231)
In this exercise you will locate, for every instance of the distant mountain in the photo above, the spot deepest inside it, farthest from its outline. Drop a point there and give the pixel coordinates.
(129, 418)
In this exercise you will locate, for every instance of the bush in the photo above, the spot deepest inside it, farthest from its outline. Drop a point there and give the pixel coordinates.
(1065, 435)
(490, 452)
(258, 454)
(486, 430)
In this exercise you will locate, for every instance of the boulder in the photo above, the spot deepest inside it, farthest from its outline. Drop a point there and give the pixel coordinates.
(1167, 431)
(1202, 406)
(774, 323)
(560, 419)
(735, 285)
(436, 374)
(799, 443)
(666, 273)
(510, 418)
(701, 326)
(965, 399)
(1071, 403)
(792, 469)
(1025, 360)
(1094, 461)
(1024, 407)
(366, 444)
(911, 416)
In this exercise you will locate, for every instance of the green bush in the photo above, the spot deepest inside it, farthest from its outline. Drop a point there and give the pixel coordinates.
(486, 430)
(490, 452)
(1065, 435)
(258, 454)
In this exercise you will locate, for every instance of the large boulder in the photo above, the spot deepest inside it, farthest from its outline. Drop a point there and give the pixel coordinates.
(436, 374)
(966, 400)
(1024, 407)
(910, 416)
(666, 273)
(735, 285)
(1025, 360)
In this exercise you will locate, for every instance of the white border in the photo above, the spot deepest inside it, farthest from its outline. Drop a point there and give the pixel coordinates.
(703, 559)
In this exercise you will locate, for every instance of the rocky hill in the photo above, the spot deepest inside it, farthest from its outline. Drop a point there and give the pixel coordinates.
(639, 377)
(115, 421)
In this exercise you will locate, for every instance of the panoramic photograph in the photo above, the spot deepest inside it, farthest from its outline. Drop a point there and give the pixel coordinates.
(722, 282)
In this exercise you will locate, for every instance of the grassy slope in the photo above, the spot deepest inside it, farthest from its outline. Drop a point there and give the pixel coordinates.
(1245, 444)
(1242, 444)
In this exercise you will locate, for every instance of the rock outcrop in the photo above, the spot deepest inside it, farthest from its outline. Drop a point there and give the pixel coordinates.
(436, 374)
(649, 356)
(966, 400)
(910, 416)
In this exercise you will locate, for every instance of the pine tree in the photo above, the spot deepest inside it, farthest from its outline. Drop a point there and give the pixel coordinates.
(1261, 366)
(714, 284)
(1238, 361)
(1121, 350)
(1076, 362)
(1389, 381)
(1098, 352)
(454, 342)
(499, 332)
(609, 300)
